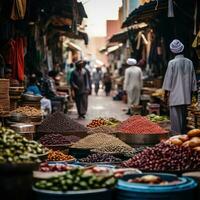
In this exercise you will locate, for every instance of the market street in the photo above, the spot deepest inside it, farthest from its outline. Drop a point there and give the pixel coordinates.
(101, 106)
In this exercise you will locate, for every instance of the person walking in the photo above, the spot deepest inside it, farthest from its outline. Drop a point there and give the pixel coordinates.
(80, 84)
(107, 82)
(97, 76)
(179, 83)
(133, 83)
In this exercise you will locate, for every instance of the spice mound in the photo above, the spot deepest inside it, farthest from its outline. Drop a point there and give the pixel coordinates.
(140, 125)
(102, 141)
(59, 156)
(60, 123)
(28, 111)
(102, 129)
(58, 139)
(98, 157)
(165, 157)
(16, 149)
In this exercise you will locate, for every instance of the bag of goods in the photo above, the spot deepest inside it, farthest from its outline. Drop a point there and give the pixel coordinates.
(140, 125)
(165, 157)
(16, 149)
(77, 180)
(58, 122)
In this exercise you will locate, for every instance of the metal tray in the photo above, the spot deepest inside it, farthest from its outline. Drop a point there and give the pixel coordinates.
(142, 139)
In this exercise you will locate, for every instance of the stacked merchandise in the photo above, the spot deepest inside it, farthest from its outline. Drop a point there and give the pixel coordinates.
(4, 96)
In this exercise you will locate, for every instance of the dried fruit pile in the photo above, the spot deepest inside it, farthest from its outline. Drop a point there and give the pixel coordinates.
(99, 157)
(165, 157)
(140, 125)
(60, 123)
(101, 140)
(28, 111)
(58, 139)
(59, 156)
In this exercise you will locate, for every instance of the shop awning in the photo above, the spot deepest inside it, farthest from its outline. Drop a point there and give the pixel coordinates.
(146, 11)
(113, 48)
(119, 37)
(73, 46)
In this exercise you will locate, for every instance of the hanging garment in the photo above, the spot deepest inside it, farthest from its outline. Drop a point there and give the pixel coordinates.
(18, 66)
(18, 9)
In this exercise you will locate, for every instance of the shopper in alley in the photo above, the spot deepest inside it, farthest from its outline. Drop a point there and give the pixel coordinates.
(179, 83)
(97, 76)
(133, 83)
(80, 84)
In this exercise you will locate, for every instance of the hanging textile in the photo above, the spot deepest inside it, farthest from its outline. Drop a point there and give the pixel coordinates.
(18, 67)
(170, 8)
(18, 9)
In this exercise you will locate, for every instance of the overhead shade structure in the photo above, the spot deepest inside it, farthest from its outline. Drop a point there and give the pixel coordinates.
(113, 48)
(119, 37)
(72, 46)
(146, 11)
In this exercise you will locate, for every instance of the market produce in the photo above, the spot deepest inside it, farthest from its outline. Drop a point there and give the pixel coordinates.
(58, 139)
(45, 167)
(152, 179)
(101, 141)
(60, 123)
(194, 133)
(157, 118)
(99, 157)
(76, 180)
(165, 157)
(96, 123)
(28, 111)
(16, 149)
(120, 149)
(103, 122)
(102, 129)
(59, 156)
(140, 125)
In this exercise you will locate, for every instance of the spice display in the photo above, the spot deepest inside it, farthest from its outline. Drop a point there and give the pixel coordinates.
(165, 157)
(157, 118)
(101, 140)
(45, 167)
(76, 180)
(60, 123)
(140, 125)
(59, 156)
(28, 111)
(103, 122)
(121, 149)
(102, 129)
(16, 149)
(58, 139)
(99, 157)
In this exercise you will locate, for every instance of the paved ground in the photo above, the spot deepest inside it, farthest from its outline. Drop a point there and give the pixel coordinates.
(101, 106)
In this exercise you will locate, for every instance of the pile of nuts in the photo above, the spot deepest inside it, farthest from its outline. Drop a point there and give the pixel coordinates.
(102, 129)
(165, 157)
(28, 111)
(59, 156)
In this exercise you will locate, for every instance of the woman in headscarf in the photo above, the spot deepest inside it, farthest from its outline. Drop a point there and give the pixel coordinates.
(179, 83)
(133, 83)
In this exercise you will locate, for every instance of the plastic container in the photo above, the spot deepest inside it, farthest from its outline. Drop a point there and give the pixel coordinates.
(99, 194)
(184, 190)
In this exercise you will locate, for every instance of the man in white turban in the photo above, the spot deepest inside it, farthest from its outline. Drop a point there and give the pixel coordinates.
(133, 83)
(179, 83)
